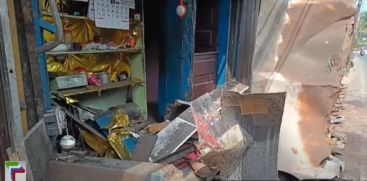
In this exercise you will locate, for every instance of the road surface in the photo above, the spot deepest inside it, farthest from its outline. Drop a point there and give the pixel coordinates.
(355, 126)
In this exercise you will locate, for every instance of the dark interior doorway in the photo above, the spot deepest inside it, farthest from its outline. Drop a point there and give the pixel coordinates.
(153, 36)
(206, 47)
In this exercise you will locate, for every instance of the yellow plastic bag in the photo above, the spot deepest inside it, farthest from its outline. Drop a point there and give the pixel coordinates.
(115, 138)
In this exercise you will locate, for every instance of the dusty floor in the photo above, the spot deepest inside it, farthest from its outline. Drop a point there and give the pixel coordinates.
(355, 126)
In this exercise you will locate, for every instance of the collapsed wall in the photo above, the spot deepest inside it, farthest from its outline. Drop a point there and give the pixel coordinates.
(303, 47)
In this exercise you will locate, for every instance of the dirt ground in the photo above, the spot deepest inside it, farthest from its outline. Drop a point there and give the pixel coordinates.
(355, 125)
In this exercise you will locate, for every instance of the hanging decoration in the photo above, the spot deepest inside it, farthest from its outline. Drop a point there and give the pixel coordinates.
(181, 10)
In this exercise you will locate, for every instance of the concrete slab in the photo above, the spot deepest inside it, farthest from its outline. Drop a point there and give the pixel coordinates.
(96, 169)
(38, 150)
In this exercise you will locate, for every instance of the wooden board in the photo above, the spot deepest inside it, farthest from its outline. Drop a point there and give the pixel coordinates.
(144, 148)
(103, 87)
(254, 104)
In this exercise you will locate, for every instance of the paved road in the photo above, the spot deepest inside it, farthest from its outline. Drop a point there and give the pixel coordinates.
(355, 126)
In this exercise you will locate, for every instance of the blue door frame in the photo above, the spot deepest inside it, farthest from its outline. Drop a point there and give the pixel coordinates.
(175, 82)
(41, 25)
(224, 32)
(176, 73)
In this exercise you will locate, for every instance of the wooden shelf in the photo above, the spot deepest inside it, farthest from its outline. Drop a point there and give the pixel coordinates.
(63, 15)
(44, 13)
(103, 87)
(122, 50)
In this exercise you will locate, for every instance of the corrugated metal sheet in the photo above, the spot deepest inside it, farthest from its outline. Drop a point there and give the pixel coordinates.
(307, 57)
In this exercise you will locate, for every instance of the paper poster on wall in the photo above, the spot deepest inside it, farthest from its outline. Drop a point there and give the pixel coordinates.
(91, 10)
(111, 14)
(129, 3)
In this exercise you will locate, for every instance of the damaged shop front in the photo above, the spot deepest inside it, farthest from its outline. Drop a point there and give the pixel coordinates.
(98, 68)
(109, 71)
(205, 140)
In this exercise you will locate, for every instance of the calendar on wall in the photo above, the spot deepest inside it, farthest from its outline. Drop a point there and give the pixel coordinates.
(111, 13)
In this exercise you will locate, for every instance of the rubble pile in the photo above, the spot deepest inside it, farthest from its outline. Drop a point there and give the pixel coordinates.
(335, 137)
(224, 134)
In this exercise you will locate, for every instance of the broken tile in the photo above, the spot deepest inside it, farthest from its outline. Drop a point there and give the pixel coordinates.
(144, 147)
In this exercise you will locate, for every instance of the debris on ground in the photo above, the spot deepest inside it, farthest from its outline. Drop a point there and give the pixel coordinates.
(156, 127)
(207, 135)
(330, 166)
(203, 171)
(174, 110)
(144, 147)
(228, 125)
(181, 128)
(337, 119)
(337, 138)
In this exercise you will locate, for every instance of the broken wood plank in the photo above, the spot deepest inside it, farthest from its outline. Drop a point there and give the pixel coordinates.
(144, 147)
(103, 87)
(86, 126)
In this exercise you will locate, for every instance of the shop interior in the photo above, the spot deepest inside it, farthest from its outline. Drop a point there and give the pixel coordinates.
(104, 77)
(97, 74)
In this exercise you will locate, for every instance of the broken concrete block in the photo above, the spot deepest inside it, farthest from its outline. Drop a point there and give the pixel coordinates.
(339, 135)
(189, 175)
(331, 168)
(203, 171)
(338, 148)
(337, 119)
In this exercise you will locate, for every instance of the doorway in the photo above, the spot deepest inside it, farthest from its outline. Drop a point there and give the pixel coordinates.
(153, 36)
(206, 47)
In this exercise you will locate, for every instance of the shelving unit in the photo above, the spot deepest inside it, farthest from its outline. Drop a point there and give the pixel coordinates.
(122, 50)
(106, 95)
(44, 13)
(99, 89)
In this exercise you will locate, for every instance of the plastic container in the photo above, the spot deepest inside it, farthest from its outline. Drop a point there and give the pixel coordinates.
(104, 77)
(71, 81)
(68, 40)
